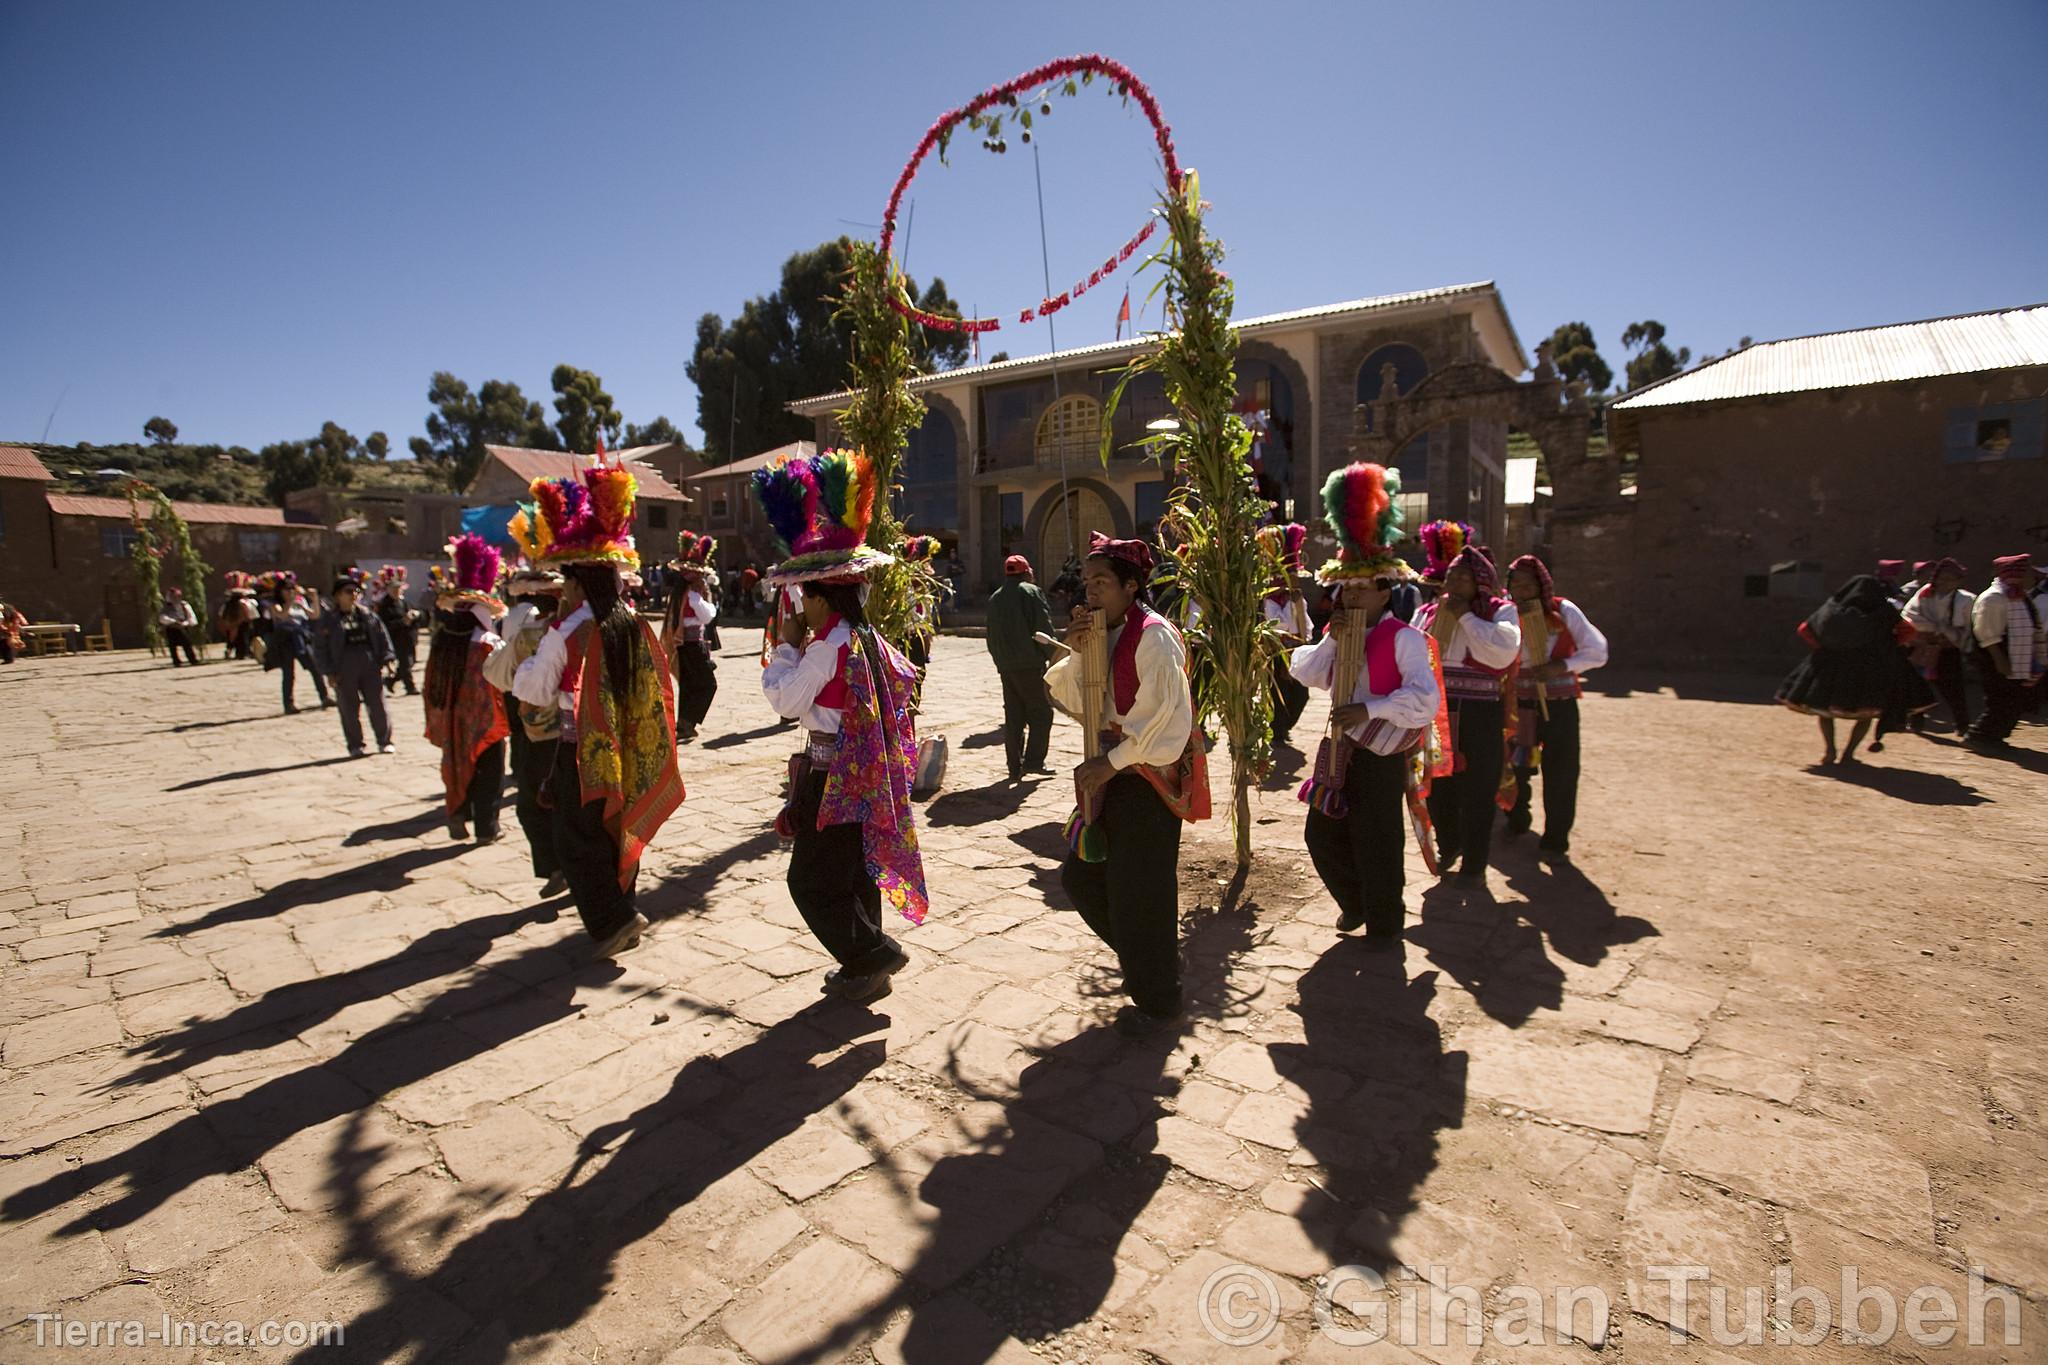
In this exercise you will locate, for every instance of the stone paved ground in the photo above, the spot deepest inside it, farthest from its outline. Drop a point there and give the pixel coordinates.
(275, 1049)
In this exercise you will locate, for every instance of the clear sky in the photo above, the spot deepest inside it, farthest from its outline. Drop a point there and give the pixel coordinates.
(255, 217)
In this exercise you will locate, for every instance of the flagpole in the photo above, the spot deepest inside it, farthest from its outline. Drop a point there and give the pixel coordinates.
(1052, 339)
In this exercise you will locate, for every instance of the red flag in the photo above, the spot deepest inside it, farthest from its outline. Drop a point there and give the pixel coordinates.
(1123, 314)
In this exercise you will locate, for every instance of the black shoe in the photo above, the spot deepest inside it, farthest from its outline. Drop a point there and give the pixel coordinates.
(1877, 746)
(1016, 774)
(458, 828)
(554, 886)
(837, 982)
(357, 753)
(486, 836)
(1382, 942)
(1516, 829)
(1350, 921)
(1447, 860)
(1134, 1023)
(290, 709)
(1548, 847)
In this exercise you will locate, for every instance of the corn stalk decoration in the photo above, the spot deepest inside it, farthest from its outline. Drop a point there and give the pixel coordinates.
(878, 423)
(160, 534)
(1214, 511)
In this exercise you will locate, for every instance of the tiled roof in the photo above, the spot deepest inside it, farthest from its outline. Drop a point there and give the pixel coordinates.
(754, 462)
(1270, 322)
(80, 505)
(16, 463)
(528, 465)
(1969, 344)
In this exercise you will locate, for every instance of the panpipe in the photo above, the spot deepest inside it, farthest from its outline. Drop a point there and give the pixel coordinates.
(1092, 659)
(1348, 627)
(1299, 606)
(1536, 652)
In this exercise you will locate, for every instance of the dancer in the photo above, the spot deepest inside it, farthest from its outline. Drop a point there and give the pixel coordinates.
(1287, 608)
(1385, 714)
(692, 607)
(601, 668)
(2012, 651)
(1017, 616)
(1123, 872)
(465, 715)
(401, 624)
(175, 620)
(1559, 647)
(286, 647)
(534, 730)
(238, 612)
(1940, 612)
(1479, 639)
(11, 622)
(849, 819)
(1855, 666)
(350, 646)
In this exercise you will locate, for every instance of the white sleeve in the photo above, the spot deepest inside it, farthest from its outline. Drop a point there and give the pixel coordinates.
(501, 666)
(1589, 646)
(1315, 665)
(1496, 643)
(702, 611)
(1156, 731)
(538, 681)
(1987, 618)
(1414, 703)
(1064, 678)
(792, 681)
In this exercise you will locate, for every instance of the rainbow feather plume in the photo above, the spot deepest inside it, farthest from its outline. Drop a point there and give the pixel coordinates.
(787, 494)
(612, 488)
(1442, 542)
(1355, 500)
(1293, 536)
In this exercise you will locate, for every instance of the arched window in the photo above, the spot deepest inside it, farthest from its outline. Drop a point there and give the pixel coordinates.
(1409, 370)
(1071, 427)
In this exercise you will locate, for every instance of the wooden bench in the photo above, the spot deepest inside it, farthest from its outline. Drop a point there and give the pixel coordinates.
(47, 637)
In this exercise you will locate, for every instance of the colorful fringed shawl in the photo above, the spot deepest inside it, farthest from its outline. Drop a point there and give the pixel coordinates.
(626, 749)
(464, 731)
(870, 777)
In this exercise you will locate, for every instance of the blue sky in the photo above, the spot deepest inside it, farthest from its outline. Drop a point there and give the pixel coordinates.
(253, 218)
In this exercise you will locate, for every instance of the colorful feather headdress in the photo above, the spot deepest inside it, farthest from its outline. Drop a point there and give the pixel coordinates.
(1286, 542)
(694, 554)
(391, 578)
(819, 507)
(239, 581)
(474, 581)
(271, 580)
(1442, 542)
(1360, 507)
(586, 518)
(920, 549)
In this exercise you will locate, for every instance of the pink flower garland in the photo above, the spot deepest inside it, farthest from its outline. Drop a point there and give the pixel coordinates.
(1062, 69)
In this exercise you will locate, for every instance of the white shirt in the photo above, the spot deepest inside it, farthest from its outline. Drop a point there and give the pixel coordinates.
(1589, 646)
(700, 608)
(792, 681)
(1948, 615)
(502, 666)
(1411, 706)
(1282, 613)
(1495, 643)
(539, 680)
(1157, 726)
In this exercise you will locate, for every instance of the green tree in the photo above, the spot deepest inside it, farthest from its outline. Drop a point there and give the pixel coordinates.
(788, 344)
(1653, 360)
(289, 466)
(583, 409)
(337, 447)
(161, 430)
(463, 423)
(1573, 351)
(377, 447)
(660, 431)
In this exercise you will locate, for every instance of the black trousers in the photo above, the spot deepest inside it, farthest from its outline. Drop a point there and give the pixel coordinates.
(356, 688)
(587, 853)
(175, 639)
(479, 805)
(696, 684)
(1289, 699)
(829, 881)
(533, 760)
(1461, 805)
(1359, 857)
(288, 667)
(1948, 685)
(1132, 898)
(1560, 768)
(1027, 719)
(402, 647)
(2005, 701)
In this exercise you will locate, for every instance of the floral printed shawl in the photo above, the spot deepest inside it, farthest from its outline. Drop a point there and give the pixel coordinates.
(626, 750)
(472, 725)
(870, 777)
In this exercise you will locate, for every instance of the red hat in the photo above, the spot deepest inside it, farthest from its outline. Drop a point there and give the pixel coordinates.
(1136, 553)
(1890, 569)
(1017, 566)
(2011, 566)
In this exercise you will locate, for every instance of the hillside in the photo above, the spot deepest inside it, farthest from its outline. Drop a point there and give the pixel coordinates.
(203, 473)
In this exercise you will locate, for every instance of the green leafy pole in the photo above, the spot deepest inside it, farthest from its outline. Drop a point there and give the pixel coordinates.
(161, 534)
(1214, 509)
(878, 423)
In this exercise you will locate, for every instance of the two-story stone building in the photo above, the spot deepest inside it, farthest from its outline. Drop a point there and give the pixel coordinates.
(1008, 459)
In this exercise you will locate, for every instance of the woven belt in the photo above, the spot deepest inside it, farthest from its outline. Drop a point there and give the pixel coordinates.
(823, 748)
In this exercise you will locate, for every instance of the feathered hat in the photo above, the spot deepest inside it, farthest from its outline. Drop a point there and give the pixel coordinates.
(273, 579)
(354, 577)
(819, 507)
(694, 554)
(474, 582)
(1286, 542)
(1360, 508)
(585, 518)
(1442, 542)
(920, 549)
(239, 582)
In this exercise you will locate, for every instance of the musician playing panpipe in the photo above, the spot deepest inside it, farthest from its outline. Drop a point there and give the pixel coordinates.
(1145, 774)
(1559, 646)
(1385, 699)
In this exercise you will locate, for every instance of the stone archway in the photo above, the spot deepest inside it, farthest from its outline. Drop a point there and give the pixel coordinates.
(1093, 499)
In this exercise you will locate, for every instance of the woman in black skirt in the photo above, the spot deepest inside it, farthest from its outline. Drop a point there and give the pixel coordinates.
(1856, 671)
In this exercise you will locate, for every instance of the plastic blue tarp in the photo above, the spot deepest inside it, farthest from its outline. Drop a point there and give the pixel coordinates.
(490, 522)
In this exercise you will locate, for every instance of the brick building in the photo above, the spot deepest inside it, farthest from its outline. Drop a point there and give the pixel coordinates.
(984, 472)
(1766, 478)
(508, 473)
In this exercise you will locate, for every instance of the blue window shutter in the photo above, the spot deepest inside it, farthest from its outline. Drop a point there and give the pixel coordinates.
(1959, 436)
(2029, 430)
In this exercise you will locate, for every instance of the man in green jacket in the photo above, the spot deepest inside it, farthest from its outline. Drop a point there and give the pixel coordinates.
(1016, 613)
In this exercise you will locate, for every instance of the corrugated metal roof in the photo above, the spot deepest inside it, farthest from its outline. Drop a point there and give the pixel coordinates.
(219, 513)
(17, 463)
(1968, 344)
(1116, 349)
(754, 462)
(528, 465)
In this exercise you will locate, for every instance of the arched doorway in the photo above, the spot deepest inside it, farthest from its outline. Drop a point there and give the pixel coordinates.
(1082, 511)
